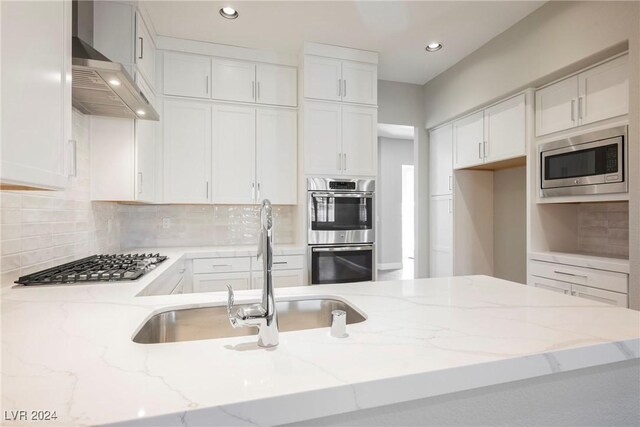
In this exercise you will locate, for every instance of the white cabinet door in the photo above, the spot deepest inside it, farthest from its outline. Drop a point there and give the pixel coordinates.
(187, 151)
(277, 155)
(233, 80)
(550, 285)
(187, 75)
(145, 51)
(600, 295)
(322, 78)
(281, 279)
(441, 226)
(36, 93)
(276, 85)
(505, 132)
(322, 138)
(604, 91)
(468, 141)
(219, 282)
(145, 153)
(556, 107)
(359, 82)
(441, 160)
(359, 140)
(234, 154)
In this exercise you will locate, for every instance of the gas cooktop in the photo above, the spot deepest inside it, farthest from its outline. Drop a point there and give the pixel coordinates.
(96, 268)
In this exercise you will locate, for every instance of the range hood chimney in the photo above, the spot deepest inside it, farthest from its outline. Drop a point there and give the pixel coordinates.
(99, 86)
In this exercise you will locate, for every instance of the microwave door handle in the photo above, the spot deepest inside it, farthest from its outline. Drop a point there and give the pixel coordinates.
(344, 249)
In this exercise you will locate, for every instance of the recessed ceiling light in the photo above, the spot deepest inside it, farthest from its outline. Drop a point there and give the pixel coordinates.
(140, 112)
(229, 12)
(433, 47)
(114, 82)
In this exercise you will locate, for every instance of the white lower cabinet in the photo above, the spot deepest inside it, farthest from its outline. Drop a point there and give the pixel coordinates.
(216, 282)
(609, 287)
(281, 279)
(441, 231)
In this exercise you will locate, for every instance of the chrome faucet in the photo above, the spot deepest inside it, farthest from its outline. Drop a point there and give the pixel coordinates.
(262, 315)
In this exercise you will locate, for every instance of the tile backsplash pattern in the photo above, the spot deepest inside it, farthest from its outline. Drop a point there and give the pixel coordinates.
(198, 225)
(603, 229)
(40, 229)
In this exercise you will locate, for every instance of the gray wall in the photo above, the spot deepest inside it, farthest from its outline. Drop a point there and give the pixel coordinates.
(510, 224)
(392, 154)
(403, 104)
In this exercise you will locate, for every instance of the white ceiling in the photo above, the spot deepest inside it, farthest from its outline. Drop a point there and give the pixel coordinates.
(395, 131)
(398, 30)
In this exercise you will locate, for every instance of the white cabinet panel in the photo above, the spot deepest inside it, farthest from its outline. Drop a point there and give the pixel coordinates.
(322, 138)
(359, 140)
(219, 282)
(221, 265)
(609, 280)
(277, 154)
(468, 141)
(276, 85)
(145, 137)
(505, 130)
(441, 160)
(281, 279)
(359, 82)
(322, 78)
(233, 80)
(187, 151)
(599, 295)
(441, 226)
(604, 91)
(556, 107)
(550, 285)
(233, 156)
(36, 92)
(145, 50)
(187, 75)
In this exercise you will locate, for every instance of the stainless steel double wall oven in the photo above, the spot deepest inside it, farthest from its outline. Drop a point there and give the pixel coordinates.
(341, 230)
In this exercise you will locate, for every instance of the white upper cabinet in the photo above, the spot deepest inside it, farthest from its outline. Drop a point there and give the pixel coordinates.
(359, 135)
(233, 154)
(276, 85)
(340, 80)
(599, 93)
(187, 75)
(145, 152)
(277, 155)
(556, 107)
(36, 93)
(322, 138)
(233, 80)
(441, 160)
(187, 151)
(145, 50)
(359, 82)
(505, 130)
(604, 91)
(322, 78)
(468, 141)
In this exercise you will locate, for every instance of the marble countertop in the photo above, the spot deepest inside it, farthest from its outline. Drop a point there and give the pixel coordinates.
(620, 265)
(69, 349)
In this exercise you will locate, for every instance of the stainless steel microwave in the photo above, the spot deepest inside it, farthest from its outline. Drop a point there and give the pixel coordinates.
(593, 163)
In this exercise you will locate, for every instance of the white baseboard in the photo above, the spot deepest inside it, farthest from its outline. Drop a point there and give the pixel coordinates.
(389, 266)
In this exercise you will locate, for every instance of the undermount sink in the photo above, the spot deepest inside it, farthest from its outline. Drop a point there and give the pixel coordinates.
(191, 324)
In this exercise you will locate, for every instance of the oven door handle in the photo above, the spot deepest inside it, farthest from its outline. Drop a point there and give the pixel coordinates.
(344, 249)
(354, 195)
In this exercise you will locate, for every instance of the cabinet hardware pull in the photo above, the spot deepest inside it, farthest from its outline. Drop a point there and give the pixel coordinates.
(450, 182)
(345, 88)
(280, 262)
(253, 90)
(573, 106)
(339, 162)
(141, 48)
(479, 150)
(206, 80)
(484, 149)
(207, 190)
(569, 274)
(258, 191)
(339, 87)
(139, 182)
(221, 265)
(253, 191)
(258, 92)
(344, 161)
(580, 107)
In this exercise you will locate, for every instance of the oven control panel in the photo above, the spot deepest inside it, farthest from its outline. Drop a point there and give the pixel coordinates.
(342, 185)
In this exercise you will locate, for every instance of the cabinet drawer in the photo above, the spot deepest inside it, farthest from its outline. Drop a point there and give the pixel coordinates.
(599, 295)
(219, 282)
(281, 262)
(281, 279)
(609, 280)
(221, 265)
(550, 285)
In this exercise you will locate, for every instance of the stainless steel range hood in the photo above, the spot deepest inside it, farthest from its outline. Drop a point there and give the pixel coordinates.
(99, 86)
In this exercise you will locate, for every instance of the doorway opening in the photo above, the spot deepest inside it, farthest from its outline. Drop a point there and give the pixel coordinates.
(395, 194)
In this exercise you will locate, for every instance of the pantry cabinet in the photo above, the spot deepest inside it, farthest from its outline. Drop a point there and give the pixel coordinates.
(233, 80)
(598, 93)
(441, 236)
(340, 139)
(441, 160)
(276, 85)
(340, 80)
(187, 151)
(186, 75)
(36, 94)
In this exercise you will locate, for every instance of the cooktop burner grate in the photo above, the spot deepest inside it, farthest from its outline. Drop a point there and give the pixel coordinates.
(96, 268)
